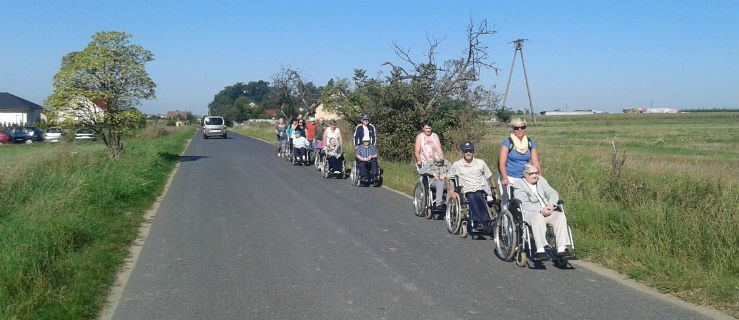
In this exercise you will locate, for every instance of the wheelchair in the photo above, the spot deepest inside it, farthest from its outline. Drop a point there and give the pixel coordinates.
(282, 147)
(514, 239)
(303, 160)
(341, 174)
(457, 214)
(423, 198)
(320, 158)
(356, 179)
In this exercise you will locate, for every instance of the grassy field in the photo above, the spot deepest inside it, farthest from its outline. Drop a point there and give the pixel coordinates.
(68, 217)
(652, 196)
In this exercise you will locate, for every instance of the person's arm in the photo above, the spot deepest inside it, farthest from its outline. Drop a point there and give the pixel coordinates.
(417, 150)
(502, 160)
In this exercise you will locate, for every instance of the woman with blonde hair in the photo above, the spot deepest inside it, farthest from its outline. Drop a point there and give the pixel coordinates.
(515, 151)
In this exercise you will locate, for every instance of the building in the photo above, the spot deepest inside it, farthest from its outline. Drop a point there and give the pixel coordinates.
(16, 110)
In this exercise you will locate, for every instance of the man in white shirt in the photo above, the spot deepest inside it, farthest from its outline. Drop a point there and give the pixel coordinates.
(475, 177)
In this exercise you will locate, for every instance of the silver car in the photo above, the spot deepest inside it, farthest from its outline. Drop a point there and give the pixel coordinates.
(85, 135)
(53, 134)
(214, 126)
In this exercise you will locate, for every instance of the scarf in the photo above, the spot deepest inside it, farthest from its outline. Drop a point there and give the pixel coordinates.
(520, 146)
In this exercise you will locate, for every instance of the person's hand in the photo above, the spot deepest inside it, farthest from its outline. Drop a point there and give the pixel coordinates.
(546, 211)
(419, 162)
(453, 195)
(504, 180)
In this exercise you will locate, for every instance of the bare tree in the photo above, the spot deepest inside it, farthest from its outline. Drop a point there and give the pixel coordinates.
(292, 93)
(455, 77)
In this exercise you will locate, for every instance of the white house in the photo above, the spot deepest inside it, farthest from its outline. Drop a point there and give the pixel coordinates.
(16, 110)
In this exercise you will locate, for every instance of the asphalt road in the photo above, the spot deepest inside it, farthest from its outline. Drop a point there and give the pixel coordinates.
(242, 234)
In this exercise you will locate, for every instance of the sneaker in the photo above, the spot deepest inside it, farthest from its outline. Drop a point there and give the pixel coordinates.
(541, 256)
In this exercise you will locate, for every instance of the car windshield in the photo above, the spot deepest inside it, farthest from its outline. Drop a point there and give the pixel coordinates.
(53, 130)
(214, 121)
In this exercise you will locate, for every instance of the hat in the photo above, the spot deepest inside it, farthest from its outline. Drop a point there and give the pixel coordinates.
(365, 139)
(467, 146)
(311, 119)
(366, 117)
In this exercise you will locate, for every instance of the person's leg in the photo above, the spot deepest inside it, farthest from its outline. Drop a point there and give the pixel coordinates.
(538, 228)
(477, 208)
(558, 220)
(362, 165)
(375, 170)
(439, 195)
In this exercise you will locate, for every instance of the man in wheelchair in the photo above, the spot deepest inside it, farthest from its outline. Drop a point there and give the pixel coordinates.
(473, 176)
(538, 204)
(366, 155)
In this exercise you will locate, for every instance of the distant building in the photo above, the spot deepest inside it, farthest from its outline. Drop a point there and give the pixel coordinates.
(16, 110)
(272, 113)
(182, 114)
(322, 114)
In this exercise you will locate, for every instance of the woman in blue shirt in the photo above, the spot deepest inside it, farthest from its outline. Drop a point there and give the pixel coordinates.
(515, 152)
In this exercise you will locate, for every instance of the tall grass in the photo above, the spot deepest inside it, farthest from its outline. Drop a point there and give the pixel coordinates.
(667, 217)
(67, 218)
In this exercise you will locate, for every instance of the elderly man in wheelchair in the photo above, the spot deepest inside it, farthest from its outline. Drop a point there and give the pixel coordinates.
(474, 179)
(540, 206)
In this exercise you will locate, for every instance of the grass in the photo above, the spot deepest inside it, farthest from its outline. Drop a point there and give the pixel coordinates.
(668, 217)
(68, 216)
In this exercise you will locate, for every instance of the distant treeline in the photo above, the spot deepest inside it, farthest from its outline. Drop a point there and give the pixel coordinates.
(710, 110)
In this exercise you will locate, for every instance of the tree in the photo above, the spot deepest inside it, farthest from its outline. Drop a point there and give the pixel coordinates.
(446, 94)
(292, 94)
(102, 85)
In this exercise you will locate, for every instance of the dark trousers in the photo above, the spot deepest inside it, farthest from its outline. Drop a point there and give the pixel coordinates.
(299, 152)
(334, 163)
(365, 166)
(478, 207)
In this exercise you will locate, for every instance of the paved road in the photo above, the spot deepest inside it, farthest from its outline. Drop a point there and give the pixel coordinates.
(242, 235)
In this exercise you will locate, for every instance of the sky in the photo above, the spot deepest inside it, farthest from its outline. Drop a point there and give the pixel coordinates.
(602, 55)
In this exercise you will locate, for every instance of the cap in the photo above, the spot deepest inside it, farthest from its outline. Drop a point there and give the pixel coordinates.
(311, 119)
(366, 117)
(467, 146)
(365, 139)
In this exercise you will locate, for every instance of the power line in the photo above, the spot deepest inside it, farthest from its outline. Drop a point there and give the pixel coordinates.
(518, 44)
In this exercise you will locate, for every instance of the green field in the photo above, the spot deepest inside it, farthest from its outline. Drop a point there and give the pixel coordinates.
(667, 217)
(68, 216)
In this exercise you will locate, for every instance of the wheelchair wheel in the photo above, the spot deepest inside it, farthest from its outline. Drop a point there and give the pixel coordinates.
(505, 235)
(324, 168)
(463, 232)
(521, 259)
(354, 175)
(429, 213)
(419, 199)
(453, 216)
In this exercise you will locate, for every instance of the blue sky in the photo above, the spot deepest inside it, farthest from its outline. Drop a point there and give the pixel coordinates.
(604, 55)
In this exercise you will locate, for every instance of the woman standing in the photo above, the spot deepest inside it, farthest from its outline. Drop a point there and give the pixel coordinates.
(515, 151)
(427, 143)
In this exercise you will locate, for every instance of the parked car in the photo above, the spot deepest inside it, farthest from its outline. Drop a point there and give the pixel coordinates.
(27, 134)
(4, 137)
(214, 126)
(54, 134)
(85, 134)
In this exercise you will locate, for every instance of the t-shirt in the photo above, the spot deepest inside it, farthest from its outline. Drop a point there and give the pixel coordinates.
(310, 131)
(471, 176)
(514, 165)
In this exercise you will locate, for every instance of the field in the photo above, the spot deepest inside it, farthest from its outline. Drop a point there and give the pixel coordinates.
(652, 196)
(68, 216)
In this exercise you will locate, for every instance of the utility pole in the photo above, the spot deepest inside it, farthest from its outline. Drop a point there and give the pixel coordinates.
(518, 44)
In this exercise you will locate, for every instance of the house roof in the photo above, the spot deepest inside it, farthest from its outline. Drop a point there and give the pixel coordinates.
(11, 102)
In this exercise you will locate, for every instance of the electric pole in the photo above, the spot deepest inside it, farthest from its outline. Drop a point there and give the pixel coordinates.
(518, 44)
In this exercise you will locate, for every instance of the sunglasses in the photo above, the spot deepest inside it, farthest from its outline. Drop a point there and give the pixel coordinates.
(519, 128)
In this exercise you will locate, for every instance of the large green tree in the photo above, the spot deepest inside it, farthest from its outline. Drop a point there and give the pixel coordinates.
(240, 102)
(101, 86)
(419, 90)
